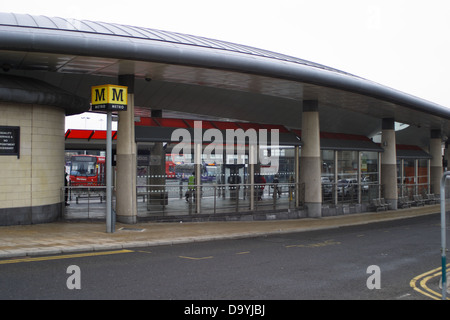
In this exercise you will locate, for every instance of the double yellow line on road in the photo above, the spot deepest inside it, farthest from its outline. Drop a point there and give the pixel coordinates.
(67, 256)
(419, 283)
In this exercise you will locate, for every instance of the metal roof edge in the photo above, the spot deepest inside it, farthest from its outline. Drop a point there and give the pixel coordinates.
(32, 91)
(27, 38)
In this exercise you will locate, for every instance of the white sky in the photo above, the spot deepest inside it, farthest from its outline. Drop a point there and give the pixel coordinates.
(403, 44)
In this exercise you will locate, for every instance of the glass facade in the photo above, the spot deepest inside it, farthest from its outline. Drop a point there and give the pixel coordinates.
(350, 176)
(370, 178)
(328, 178)
(409, 177)
(413, 177)
(422, 176)
(347, 178)
(167, 185)
(225, 184)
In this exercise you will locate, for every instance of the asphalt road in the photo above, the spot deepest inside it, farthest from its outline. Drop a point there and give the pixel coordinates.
(329, 264)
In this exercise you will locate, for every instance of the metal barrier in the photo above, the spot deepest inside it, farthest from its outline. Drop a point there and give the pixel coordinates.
(354, 193)
(174, 199)
(181, 199)
(411, 190)
(84, 202)
(350, 193)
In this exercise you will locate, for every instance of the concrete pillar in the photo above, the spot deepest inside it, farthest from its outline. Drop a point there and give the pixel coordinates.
(126, 210)
(447, 156)
(310, 167)
(297, 176)
(389, 162)
(436, 161)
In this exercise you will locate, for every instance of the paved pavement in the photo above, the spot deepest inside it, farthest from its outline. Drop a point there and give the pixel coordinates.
(67, 237)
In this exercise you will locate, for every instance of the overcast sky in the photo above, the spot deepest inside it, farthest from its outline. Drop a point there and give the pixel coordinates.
(403, 44)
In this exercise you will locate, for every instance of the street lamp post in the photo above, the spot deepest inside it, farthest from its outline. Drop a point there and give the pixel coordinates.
(443, 236)
(109, 98)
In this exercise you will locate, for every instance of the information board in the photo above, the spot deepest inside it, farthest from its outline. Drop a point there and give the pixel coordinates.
(9, 141)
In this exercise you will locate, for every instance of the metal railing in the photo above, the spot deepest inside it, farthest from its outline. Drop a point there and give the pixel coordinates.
(335, 193)
(88, 202)
(84, 202)
(411, 190)
(181, 199)
(352, 193)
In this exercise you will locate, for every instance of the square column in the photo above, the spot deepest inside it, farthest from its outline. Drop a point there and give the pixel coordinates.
(310, 165)
(389, 162)
(126, 209)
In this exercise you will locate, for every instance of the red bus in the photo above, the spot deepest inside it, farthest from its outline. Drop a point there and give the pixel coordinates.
(87, 170)
(170, 170)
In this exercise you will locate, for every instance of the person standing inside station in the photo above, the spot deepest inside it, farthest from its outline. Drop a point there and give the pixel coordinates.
(191, 187)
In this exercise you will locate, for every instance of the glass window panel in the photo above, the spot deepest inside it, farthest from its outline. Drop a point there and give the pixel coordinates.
(409, 171)
(369, 175)
(347, 184)
(369, 167)
(327, 165)
(409, 174)
(422, 176)
(347, 165)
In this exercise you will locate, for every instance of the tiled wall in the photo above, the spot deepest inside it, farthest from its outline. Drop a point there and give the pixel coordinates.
(36, 178)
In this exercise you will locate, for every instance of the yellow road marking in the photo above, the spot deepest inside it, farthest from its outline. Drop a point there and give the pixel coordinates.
(243, 252)
(193, 258)
(422, 280)
(67, 256)
(143, 251)
(315, 245)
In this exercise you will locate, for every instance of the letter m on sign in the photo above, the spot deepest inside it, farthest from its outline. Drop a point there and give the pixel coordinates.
(117, 95)
(100, 95)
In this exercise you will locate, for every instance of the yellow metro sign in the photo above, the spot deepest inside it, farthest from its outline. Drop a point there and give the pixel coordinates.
(109, 97)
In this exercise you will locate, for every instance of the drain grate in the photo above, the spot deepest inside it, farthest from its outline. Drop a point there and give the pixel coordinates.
(132, 229)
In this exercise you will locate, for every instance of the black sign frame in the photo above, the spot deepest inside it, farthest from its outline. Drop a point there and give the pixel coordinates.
(109, 107)
(10, 141)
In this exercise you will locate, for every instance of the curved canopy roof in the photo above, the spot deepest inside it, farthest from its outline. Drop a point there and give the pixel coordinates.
(33, 91)
(204, 76)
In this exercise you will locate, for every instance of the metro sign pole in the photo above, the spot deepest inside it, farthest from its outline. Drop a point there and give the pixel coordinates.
(109, 98)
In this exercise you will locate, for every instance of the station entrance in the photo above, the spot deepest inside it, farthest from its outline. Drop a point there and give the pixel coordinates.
(171, 187)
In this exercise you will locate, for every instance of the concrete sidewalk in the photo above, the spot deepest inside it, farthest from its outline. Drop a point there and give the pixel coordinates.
(67, 237)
